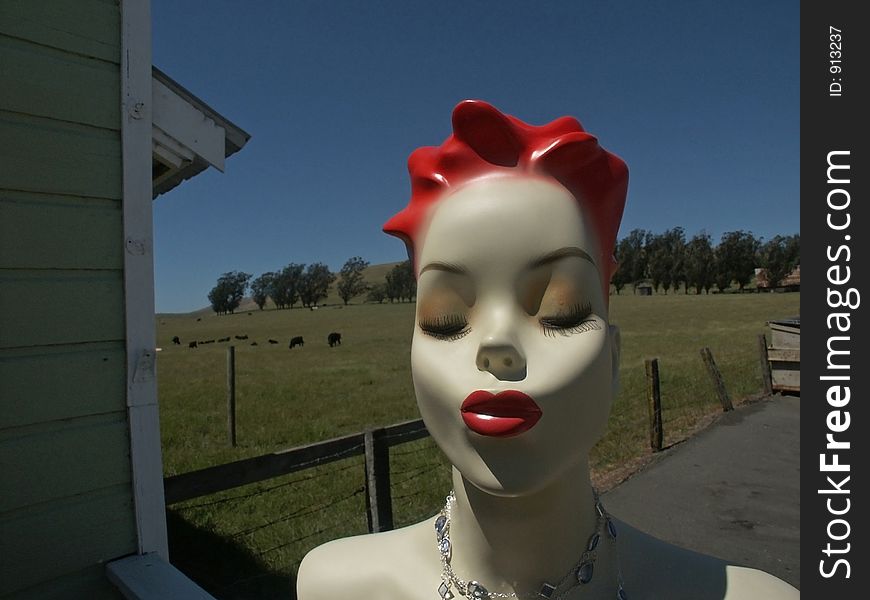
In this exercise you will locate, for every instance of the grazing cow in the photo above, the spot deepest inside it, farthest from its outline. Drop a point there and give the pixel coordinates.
(192, 344)
(199, 319)
(297, 341)
(176, 341)
(226, 339)
(273, 341)
(242, 337)
(254, 344)
(334, 339)
(206, 342)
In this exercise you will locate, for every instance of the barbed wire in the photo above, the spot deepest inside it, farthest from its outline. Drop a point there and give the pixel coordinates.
(409, 495)
(302, 512)
(427, 447)
(268, 489)
(303, 537)
(399, 436)
(680, 380)
(417, 473)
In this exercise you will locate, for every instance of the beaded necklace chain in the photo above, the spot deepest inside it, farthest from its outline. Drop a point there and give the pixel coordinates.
(579, 575)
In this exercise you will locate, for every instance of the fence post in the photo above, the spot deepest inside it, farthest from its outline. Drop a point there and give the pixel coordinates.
(654, 401)
(379, 503)
(716, 376)
(765, 364)
(231, 394)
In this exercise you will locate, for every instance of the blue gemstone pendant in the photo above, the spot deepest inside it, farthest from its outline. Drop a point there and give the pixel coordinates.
(584, 572)
(444, 591)
(593, 542)
(440, 527)
(477, 591)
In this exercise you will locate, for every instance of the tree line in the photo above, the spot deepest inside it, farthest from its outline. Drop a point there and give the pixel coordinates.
(667, 260)
(309, 284)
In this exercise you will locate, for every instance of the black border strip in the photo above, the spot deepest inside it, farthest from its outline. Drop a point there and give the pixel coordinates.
(834, 107)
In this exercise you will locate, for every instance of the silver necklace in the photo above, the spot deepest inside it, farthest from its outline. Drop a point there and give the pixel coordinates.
(580, 574)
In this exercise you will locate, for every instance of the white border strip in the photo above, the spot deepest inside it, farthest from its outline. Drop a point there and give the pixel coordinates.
(144, 422)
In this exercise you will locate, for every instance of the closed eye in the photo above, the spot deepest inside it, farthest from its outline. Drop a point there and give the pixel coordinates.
(446, 327)
(574, 320)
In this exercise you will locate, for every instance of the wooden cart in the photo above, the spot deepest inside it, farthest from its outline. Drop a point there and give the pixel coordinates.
(784, 354)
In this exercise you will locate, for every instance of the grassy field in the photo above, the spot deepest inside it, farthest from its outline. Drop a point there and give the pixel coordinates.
(247, 542)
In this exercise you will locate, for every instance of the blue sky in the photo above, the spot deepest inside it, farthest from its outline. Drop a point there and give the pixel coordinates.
(700, 98)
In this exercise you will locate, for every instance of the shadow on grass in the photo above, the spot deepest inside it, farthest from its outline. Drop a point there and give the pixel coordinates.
(227, 570)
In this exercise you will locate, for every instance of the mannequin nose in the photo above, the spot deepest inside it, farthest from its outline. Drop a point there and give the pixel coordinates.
(501, 358)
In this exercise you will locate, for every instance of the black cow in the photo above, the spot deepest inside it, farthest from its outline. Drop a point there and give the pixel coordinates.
(176, 341)
(254, 343)
(273, 341)
(334, 339)
(222, 340)
(192, 344)
(297, 341)
(242, 337)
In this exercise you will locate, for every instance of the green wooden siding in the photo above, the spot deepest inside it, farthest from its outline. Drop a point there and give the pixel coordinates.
(43, 307)
(53, 460)
(54, 224)
(85, 380)
(55, 84)
(67, 505)
(88, 28)
(57, 157)
(55, 539)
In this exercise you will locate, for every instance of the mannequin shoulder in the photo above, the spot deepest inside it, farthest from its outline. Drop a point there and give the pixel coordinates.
(380, 562)
(318, 575)
(746, 583)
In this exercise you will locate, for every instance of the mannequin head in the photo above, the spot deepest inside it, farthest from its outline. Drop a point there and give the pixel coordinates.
(487, 143)
(513, 360)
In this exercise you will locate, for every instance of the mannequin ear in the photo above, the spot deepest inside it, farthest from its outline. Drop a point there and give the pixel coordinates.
(615, 350)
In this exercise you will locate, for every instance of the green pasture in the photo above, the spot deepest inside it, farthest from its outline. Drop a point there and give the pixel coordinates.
(248, 541)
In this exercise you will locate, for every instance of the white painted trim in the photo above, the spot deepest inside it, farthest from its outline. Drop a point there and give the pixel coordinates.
(188, 125)
(150, 578)
(144, 422)
(168, 150)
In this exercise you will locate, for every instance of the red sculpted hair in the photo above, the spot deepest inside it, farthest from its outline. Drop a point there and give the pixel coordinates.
(486, 141)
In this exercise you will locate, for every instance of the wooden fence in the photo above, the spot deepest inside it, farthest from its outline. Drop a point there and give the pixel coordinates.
(373, 444)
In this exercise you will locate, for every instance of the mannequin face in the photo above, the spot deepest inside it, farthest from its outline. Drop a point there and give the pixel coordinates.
(513, 362)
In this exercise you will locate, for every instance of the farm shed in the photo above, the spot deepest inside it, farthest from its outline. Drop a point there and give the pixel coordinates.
(80, 461)
(643, 289)
(784, 354)
(791, 282)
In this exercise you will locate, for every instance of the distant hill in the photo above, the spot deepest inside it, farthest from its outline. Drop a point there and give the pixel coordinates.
(372, 274)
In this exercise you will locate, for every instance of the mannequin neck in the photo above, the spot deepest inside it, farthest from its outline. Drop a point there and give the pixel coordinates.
(516, 543)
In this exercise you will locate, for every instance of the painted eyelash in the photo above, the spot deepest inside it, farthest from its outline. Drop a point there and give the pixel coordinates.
(446, 327)
(575, 320)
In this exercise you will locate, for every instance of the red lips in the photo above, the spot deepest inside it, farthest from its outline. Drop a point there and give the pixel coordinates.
(504, 414)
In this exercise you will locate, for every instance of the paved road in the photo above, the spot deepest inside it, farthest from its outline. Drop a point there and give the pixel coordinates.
(732, 491)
